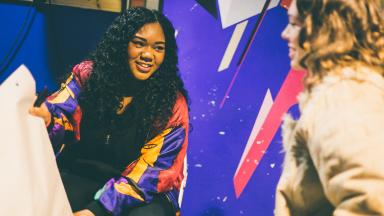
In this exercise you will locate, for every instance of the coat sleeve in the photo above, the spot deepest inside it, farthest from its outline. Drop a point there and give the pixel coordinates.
(64, 109)
(281, 203)
(347, 147)
(289, 170)
(159, 168)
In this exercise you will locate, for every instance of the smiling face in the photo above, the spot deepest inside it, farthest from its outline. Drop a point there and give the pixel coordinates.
(291, 35)
(146, 51)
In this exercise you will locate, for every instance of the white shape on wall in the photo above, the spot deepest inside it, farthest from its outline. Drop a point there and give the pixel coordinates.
(235, 11)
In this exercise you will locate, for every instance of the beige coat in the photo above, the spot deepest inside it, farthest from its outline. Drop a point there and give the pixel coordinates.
(334, 154)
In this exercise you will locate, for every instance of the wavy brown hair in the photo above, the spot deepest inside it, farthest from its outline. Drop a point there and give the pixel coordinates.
(340, 33)
(382, 6)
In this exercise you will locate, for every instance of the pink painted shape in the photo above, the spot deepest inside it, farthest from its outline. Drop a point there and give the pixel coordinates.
(286, 98)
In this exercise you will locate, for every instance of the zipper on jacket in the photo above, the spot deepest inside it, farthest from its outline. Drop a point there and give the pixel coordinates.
(170, 202)
(107, 139)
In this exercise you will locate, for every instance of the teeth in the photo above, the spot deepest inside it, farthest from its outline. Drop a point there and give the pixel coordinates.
(144, 65)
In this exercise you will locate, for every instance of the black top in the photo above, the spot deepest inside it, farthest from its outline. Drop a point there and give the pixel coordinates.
(104, 150)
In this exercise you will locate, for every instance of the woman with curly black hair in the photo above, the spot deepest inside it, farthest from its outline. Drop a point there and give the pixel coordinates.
(122, 117)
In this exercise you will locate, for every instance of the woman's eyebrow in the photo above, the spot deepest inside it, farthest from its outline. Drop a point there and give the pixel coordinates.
(145, 40)
(137, 37)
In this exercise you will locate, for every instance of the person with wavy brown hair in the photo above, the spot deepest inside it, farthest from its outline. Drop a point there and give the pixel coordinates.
(334, 152)
(120, 122)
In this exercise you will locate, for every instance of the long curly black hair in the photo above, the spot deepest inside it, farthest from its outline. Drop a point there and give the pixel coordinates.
(106, 86)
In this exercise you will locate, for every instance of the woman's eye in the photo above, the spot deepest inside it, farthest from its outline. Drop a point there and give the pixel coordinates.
(294, 24)
(159, 48)
(138, 43)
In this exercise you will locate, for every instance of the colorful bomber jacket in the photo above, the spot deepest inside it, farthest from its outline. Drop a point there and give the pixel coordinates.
(160, 168)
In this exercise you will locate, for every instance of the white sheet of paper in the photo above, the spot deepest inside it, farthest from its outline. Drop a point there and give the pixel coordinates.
(30, 182)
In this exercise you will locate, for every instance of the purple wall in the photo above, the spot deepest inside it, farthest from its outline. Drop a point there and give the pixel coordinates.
(220, 135)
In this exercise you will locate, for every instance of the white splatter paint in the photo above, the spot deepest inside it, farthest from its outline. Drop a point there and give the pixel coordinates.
(222, 133)
(193, 7)
(212, 103)
(198, 165)
(272, 165)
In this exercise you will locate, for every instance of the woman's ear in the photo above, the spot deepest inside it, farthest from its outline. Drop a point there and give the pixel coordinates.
(285, 3)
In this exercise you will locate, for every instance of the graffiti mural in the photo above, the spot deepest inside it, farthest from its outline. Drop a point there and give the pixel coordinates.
(237, 71)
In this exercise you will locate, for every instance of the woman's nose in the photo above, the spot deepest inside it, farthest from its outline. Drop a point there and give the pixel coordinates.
(146, 56)
(284, 34)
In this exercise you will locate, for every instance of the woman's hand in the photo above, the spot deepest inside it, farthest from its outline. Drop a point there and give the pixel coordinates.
(84, 212)
(41, 112)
